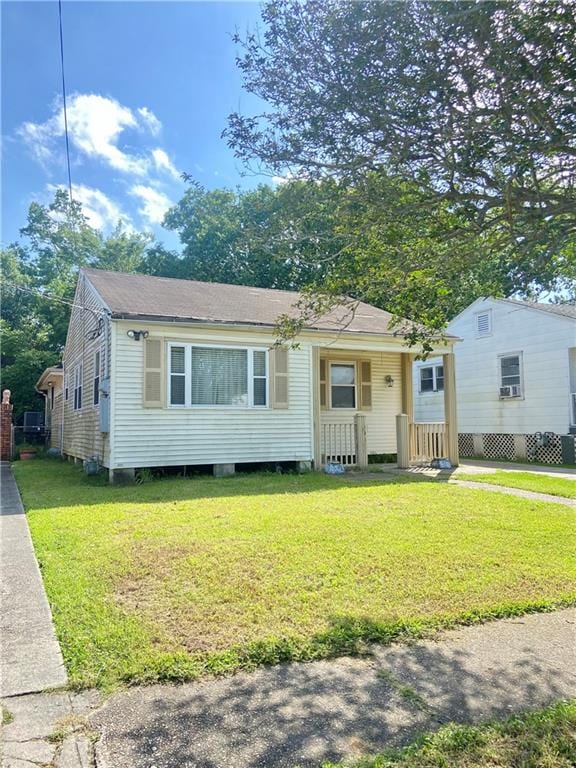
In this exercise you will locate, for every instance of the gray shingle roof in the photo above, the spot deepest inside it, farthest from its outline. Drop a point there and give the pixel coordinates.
(566, 310)
(130, 295)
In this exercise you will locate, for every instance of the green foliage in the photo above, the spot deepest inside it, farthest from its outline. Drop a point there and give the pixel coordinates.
(186, 577)
(55, 243)
(472, 102)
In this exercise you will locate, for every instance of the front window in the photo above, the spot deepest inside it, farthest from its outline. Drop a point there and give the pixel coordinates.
(217, 376)
(343, 385)
(432, 378)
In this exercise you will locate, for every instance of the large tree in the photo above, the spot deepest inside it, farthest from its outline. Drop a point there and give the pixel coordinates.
(38, 281)
(472, 101)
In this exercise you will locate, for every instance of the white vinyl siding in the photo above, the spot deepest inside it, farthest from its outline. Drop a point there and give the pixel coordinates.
(207, 434)
(545, 340)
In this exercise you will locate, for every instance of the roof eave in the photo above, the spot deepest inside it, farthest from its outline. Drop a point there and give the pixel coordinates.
(244, 325)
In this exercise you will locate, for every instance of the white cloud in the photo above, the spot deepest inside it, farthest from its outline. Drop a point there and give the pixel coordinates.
(95, 126)
(150, 120)
(101, 211)
(154, 203)
(163, 163)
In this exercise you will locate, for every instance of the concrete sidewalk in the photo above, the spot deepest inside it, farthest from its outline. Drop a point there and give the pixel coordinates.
(304, 714)
(30, 658)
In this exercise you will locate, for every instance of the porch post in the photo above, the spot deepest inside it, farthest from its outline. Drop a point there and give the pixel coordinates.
(450, 415)
(361, 441)
(403, 440)
(316, 450)
(407, 389)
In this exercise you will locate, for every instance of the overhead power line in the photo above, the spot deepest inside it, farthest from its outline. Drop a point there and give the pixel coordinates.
(64, 100)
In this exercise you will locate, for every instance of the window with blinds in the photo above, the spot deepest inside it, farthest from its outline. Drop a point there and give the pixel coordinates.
(217, 376)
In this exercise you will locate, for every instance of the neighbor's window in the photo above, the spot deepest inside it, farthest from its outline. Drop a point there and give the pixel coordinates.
(78, 376)
(217, 376)
(510, 371)
(432, 378)
(342, 385)
(96, 382)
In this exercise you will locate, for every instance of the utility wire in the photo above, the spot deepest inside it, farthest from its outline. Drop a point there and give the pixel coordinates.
(50, 297)
(64, 100)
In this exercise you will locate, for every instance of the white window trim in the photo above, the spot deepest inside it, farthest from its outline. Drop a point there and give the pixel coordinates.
(476, 316)
(329, 385)
(188, 376)
(519, 355)
(434, 389)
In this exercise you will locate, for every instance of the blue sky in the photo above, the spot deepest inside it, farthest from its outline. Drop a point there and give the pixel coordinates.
(149, 84)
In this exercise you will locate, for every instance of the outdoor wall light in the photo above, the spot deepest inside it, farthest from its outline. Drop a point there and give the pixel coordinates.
(137, 334)
(389, 381)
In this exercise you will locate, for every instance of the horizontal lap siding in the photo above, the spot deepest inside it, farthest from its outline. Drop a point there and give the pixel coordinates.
(544, 341)
(386, 401)
(82, 436)
(174, 436)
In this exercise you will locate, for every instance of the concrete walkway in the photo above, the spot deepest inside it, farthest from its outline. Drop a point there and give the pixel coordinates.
(30, 658)
(303, 714)
(523, 494)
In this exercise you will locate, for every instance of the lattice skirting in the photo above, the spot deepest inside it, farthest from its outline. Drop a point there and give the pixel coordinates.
(511, 447)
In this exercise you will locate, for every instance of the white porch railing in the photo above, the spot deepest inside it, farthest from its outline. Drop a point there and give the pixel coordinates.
(427, 441)
(344, 442)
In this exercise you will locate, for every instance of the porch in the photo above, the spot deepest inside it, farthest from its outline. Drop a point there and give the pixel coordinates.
(364, 406)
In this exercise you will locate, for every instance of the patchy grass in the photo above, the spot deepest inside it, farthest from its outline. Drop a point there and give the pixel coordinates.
(178, 578)
(545, 739)
(527, 481)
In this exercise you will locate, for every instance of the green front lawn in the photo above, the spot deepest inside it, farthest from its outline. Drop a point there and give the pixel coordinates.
(545, 739)
(181, 577)
(527, 481)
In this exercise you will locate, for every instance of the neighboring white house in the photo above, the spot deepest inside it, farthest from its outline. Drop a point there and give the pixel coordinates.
(515, 370)
(164, 372)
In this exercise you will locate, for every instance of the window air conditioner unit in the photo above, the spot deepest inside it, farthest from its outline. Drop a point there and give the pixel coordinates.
(513, 390)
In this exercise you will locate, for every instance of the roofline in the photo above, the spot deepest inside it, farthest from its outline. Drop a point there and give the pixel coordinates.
(518, 303)
(52, 371)
(260, 326)
(86, 277)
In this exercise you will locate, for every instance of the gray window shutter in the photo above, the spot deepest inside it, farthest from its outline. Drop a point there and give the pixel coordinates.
(323, 383)
(153, 395)
(365, 385)
(279, 377)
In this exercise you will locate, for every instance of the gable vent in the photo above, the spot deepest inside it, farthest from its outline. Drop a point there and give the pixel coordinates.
(483, 323)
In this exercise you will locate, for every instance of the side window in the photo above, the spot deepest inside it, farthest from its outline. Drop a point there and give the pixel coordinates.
(511, 375)
(427, 379)
(432, 378)
(78, 376)
(96, 381)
